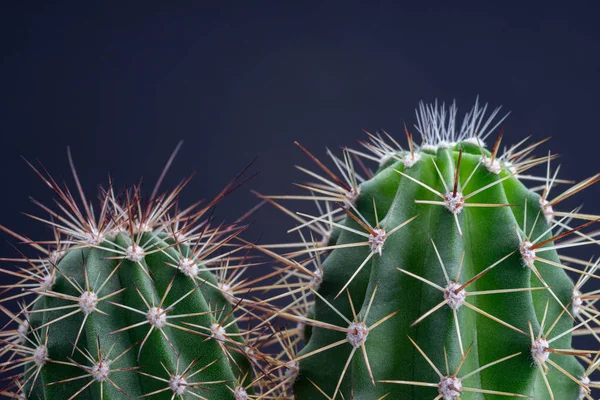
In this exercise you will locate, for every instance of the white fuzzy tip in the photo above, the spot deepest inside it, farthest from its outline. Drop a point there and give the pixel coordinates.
(577, 302)
(450, 388)
(300, 329)
(178, 385)
(47, 281)
(316, 279)
(429, 147)
(351, 196)
(55, 256)
(386, 157)
(188, 267)
(40, 355)
(100, 371)
(292, 369)
(527, 253)
(584, 390)
(411, 159)
(357, 334)
(494, 166)
(157, 317)
(547, 209)
(225, 288)
(218, 332)
(539, 351)
(510, 167)
(474, 140)
(94, 237)
(454, 203)
(22, 331)
(88, 302)
(240, 394)
(325, 239)
(134, 253)
(377, 240)
(455, 299)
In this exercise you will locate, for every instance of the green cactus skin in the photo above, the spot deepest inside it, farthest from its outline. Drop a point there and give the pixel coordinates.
(127, 309)
(157, 347)
(402, 189)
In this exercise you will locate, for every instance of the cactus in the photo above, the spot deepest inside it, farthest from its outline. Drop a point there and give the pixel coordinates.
(134, 299)
(437, 276)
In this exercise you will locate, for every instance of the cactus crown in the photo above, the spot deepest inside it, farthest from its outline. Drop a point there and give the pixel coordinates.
(137, 298)
(438, 274)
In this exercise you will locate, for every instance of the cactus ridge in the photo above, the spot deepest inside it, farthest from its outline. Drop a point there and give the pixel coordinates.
(140, 299)
(438, 275)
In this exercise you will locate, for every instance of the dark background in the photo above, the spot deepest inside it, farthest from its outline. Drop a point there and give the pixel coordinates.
(122, 85)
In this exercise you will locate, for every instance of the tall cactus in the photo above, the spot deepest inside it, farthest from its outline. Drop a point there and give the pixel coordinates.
(437, 276)
(134, 299)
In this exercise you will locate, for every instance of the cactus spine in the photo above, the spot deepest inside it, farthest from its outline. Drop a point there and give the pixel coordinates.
(437, 276)
(134, 299)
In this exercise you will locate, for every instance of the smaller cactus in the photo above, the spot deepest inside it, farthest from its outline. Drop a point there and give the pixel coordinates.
(438, 276)
(134, 299)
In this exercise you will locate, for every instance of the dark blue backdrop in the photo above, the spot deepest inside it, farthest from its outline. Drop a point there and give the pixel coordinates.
(121, 85)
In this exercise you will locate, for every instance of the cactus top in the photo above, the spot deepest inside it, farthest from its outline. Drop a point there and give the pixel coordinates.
(439, 272)
(135, 299)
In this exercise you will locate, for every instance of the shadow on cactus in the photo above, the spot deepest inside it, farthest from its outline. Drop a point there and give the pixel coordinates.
(133, 299)
(438, 275)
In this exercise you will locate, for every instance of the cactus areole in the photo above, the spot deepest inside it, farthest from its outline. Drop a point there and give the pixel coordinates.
(125, 302)
(441, 277)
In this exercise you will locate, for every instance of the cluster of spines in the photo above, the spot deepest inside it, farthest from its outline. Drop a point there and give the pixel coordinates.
(126, 230)
(300, 272)
(335, 193)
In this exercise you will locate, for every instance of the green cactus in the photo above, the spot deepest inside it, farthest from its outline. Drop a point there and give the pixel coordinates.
(132, 300)
(438, 275)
